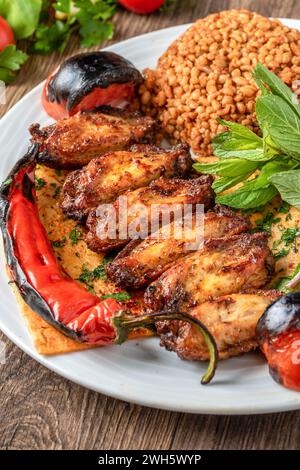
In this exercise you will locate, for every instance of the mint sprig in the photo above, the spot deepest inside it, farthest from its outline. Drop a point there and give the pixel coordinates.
(265, 165)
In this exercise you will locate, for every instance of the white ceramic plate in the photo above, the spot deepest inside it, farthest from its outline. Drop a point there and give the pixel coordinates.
(139, 371)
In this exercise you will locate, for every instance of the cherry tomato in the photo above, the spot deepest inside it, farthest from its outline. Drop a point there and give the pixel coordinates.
(142, 6)
(6, 34)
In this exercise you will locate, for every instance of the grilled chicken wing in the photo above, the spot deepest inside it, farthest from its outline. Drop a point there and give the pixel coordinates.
(140, 262)
(231, 319)
(222, 267)
(155, 201)
(71, 143)
(107, 177)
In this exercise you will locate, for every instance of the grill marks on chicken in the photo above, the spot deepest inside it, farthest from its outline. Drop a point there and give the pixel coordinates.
(139, 263)
(230, 318)
(107, 177)
(71, 143)
(161, 201)
(222, 267)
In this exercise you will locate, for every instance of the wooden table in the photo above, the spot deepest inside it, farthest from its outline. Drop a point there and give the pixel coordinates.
(40, 410)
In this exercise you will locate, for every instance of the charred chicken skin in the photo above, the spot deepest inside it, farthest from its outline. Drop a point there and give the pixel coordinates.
(107, 177)
(230, 318)
(223, 266)
(162, 200)
(71, 143)
(139, 263)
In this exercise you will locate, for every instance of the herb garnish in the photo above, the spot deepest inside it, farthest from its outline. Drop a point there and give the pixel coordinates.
(265, 224)
(88, 276)
(57, 191)
(75, 235)
(289, 241)
(39, 183)
(119, 296)
(59, 243)
(272, 161)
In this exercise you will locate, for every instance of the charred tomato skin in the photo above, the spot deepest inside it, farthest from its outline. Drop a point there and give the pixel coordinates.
(278, 335)
(88, 80)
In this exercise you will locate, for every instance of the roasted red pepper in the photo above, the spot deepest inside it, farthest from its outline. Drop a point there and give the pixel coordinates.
(278, 334)
(60, 300)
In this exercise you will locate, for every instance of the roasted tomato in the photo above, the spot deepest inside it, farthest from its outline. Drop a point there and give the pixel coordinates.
(142, 6)
(6, 34)
(89, 80)
(278, 335)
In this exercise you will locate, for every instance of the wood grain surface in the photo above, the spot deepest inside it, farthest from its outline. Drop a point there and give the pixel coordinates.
(40, 410)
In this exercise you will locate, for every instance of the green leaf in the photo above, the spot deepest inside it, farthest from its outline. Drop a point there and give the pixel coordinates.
(238, 142)
(256, 192)
(63, 6)
(223, 183)
(22, 15)
(244, 198)
(92, 18)
(288, 185)
(51, 38)
(94, 32)
(11, 58)
(282, 123)
(119, 296)
(75, 235)
(263, 76)
(230, 167)
(240, 131)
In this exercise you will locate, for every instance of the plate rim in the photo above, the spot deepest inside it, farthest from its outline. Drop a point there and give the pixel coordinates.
(215, 408)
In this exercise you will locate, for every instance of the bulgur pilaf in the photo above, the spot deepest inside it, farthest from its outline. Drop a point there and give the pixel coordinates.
(206, 74)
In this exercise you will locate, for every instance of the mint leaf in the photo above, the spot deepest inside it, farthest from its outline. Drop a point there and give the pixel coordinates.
(265, 78)
(239, 142)
(256, 192)
(248, 198)
(230, 167)
(288, 185)
(282, 123)
(223, 183)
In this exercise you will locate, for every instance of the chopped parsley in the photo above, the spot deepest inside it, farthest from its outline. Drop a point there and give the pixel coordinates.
(266, 222)
(75, 235)
(281, 254)
(88, 276)
(119, 296)
(57, 190)
(289, 241)
(289, 236)
(59, 243)
(284, 208)
(39, 183)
